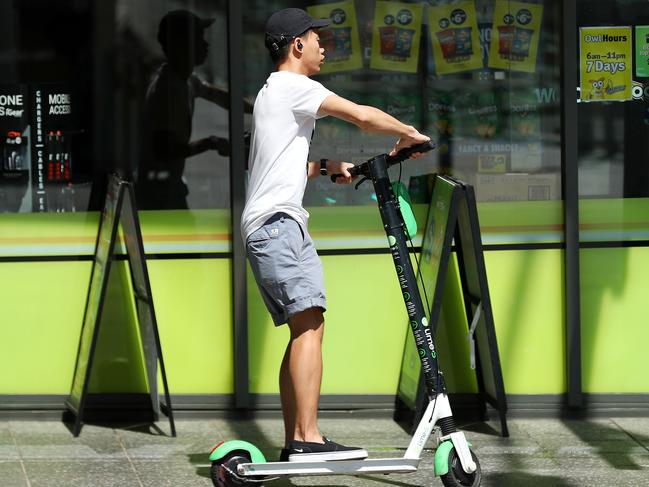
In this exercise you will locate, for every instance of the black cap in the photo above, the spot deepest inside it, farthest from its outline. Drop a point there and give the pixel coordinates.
(287, 24)
(180, 23)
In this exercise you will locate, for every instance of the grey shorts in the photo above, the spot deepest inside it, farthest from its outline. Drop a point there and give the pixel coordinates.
(286, 267)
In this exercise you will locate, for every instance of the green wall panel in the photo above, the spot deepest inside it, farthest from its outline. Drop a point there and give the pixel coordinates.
(613, 219)
(177, 231)
(503, 222)
(164, 231)
(511, 222)
(41, 309)
(527, 295)
(364, 332)
(366, 326)
(614, 320)
(193, 302)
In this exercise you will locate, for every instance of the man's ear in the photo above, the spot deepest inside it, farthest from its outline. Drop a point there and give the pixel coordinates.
(298, 44)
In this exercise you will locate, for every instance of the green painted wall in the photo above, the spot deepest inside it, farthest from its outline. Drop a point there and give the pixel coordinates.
(366, 326)
(42, 311)
(614, 327)
(193, 302)
(163, 231)
(527, 297)
(41, 324)
(364, 331)
(41, 307)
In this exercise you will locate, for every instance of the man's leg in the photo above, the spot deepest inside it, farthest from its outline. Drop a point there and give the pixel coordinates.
(301, 376)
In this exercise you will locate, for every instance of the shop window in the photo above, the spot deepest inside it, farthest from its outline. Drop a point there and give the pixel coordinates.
(46, 120)
(480, 77)
(613, 119)
(172, 73)
(135, 87)
(83, 94)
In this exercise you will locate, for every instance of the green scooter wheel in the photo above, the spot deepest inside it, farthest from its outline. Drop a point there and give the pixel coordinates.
(456, 476)
(224, 470)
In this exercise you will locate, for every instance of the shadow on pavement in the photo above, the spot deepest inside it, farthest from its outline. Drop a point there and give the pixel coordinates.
(523, 479)
(596, 434)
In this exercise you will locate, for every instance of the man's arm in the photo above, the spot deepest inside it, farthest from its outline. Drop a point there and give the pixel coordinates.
(166, 146)
(371, 119)
(333, 167)
(219, 96)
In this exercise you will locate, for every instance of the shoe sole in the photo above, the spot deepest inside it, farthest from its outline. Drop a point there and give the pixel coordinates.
(328, 456)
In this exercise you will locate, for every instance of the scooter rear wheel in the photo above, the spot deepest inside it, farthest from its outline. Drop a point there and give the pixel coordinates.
(224, 471)
(457, 477)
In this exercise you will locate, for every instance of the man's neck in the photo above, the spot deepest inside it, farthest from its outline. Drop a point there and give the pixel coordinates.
(182, 70)
(292, 66)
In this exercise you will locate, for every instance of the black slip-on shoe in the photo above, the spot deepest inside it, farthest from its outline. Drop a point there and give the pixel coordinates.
(304, 451)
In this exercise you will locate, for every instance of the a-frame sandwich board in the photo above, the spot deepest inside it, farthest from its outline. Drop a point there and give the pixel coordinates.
(119, 207)
(453, 216)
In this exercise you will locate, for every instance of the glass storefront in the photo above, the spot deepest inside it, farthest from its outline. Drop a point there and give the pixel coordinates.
(613, 130)
(142, 87)
(481, 78)
(147, 95)
(159, 115)
(613, 121)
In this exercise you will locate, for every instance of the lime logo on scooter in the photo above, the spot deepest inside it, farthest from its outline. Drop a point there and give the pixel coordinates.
(429, 341)
(392, 241)
(424, 321)
(406, 296)
(399, 270)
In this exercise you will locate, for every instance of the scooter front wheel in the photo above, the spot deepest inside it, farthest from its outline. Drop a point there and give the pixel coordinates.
(224, 471)
(456, 476)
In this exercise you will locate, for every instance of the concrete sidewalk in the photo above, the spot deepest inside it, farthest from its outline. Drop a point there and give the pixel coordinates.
(540, 452)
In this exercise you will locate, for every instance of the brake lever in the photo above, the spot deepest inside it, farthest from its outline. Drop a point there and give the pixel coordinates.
(361, 182)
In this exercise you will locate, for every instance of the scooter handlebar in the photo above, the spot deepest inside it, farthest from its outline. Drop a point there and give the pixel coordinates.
(402, 155)
(406, 153)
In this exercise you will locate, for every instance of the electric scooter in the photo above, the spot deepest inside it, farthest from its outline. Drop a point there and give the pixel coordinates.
(240, 463)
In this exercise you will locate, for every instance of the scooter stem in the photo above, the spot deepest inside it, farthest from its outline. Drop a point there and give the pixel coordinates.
(395, 230)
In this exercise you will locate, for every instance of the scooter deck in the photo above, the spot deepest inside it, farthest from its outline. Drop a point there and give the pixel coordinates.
(338, 467)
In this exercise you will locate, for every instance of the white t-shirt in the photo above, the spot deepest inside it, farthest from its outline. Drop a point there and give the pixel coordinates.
(283, 121)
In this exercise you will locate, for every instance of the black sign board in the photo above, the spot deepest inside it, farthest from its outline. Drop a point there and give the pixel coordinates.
(453, 216)
(119, 208)
(53, 123)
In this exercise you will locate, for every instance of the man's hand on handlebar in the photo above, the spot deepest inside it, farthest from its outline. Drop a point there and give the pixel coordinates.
(341, 170)
(411, 139)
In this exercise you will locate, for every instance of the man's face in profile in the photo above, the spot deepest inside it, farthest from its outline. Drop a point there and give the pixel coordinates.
(199, 47)
(188, 48)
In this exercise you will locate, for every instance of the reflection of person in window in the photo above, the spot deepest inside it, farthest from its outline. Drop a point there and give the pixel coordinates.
(169, 108)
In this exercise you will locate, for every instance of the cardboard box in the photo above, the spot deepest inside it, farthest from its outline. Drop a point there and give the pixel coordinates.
(517, 187)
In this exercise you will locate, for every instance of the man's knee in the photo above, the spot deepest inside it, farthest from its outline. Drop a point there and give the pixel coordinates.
(311, 319)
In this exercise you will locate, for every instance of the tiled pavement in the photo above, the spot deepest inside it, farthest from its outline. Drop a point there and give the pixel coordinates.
(539, 452)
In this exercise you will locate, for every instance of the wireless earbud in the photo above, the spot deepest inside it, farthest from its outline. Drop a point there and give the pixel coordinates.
(299, 45)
